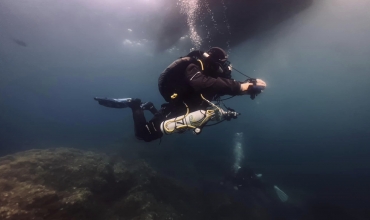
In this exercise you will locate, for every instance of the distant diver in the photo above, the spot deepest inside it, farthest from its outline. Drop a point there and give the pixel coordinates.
(245, 179)
(189, 85)
(19, 42)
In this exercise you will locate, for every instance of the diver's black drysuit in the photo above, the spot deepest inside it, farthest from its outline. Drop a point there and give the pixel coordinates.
(185, 78)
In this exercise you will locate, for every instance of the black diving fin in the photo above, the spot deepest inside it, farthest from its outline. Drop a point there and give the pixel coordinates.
(114, 103)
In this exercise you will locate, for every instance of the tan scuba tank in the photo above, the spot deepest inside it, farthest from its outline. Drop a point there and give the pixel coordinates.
(196, 120)
(190, 121)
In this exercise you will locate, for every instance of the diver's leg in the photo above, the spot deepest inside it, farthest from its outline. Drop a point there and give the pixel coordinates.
(149, 106)
(139, 119)
(143, 130)
(147, 131)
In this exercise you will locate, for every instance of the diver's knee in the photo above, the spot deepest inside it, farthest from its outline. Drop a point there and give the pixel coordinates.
(148, 138)
(149, 133)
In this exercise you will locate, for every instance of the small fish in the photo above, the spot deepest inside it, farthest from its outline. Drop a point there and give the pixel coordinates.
(19, 42)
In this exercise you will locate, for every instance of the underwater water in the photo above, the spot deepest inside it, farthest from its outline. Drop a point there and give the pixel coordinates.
(308, 132)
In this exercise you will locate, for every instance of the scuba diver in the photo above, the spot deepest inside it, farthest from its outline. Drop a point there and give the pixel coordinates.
(249, 188)
(245, 178)
(189, 85)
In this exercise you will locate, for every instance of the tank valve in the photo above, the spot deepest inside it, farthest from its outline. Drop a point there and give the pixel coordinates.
(197, 131)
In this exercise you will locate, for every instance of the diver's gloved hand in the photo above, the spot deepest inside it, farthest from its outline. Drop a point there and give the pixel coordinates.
(252, 87)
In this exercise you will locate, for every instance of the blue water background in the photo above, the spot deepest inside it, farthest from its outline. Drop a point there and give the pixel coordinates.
(309, 132)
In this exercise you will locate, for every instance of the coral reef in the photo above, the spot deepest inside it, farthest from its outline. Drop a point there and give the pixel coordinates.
(66, 183)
